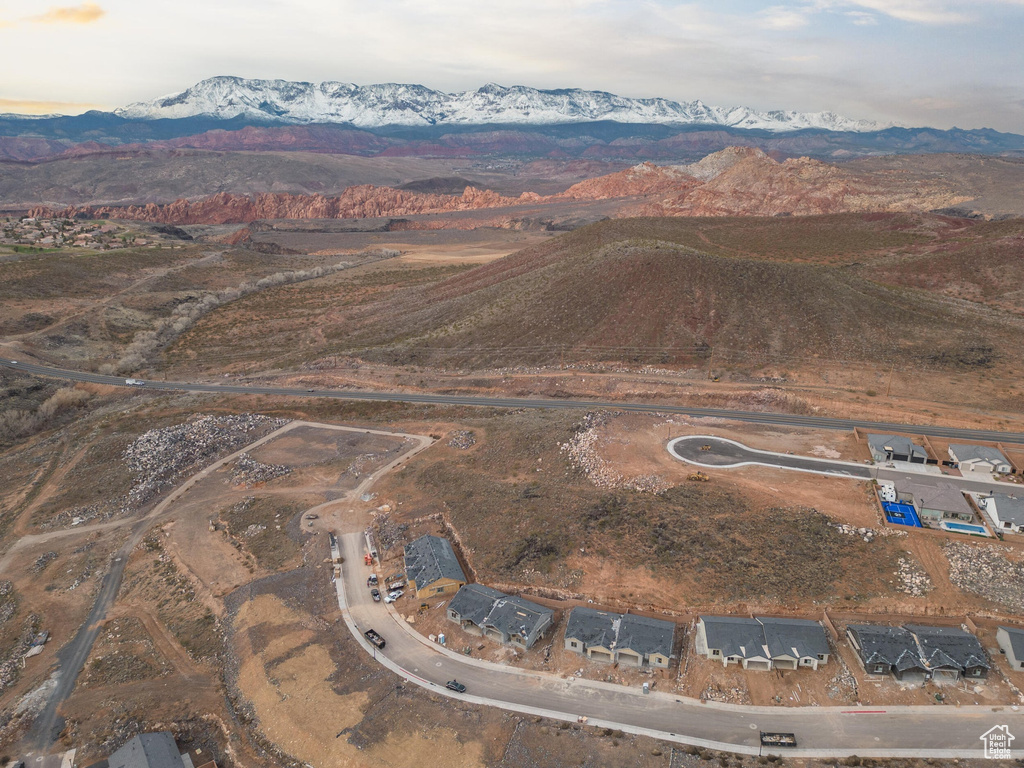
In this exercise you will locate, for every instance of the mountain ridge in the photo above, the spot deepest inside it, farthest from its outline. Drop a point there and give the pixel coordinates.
(374, 106)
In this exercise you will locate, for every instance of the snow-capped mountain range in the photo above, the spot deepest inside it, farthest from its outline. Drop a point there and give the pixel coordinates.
(372, 106)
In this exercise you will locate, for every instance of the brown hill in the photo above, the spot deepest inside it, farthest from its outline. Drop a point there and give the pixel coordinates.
(739, 181)
(627, 290)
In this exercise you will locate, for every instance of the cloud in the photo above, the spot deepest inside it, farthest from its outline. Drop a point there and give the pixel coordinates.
(862, 18)
(30, 107)
(781, 17)
(86, 13)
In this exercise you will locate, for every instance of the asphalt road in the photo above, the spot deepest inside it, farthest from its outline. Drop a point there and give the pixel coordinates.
(725, 454)
(933, 731)
(729, 453)
(753, 417)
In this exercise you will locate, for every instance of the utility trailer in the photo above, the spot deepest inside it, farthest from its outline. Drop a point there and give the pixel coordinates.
(778, 739)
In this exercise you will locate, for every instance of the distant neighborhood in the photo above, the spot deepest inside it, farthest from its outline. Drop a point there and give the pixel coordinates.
(64, 233)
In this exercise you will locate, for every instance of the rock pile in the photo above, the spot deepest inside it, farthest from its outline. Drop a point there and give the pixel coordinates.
(158, 457)
(914, 580)
(851, 530)
(462, 439)
(984, 571)
(254, 530)
(249, 472)
(42, 561)
(8, 601)
(388, 532)
(581, 449)
(11, 666)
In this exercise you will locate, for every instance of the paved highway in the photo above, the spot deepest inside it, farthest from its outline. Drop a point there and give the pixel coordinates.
(924, 731)
(754, 417)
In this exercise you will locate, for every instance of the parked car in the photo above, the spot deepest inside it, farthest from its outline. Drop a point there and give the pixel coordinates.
(371, 581)
(392, 596)
(455, 685)
(375, 594)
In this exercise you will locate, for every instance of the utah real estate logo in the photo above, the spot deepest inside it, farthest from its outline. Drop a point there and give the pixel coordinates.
(997, 742)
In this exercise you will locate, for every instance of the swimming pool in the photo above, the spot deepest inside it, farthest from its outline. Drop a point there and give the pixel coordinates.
(975, 530)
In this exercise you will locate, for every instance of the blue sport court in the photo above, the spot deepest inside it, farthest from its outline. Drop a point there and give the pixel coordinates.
(901, 514)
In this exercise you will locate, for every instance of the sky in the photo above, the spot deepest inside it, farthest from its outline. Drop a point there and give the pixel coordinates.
(939, 63)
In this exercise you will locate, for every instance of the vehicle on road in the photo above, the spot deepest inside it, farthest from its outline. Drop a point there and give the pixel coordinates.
(778, 739)
(375, 594)
(455, 685)
(394, 595)
(135, 382)
(310, 390)
(373, 637)
(371, 580)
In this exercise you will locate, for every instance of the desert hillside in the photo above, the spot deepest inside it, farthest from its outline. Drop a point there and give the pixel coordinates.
(644, 290)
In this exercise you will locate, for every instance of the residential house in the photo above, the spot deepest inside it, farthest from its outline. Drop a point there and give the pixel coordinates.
(979, 458)
(950, 652)
(896, 448)
(733, 640)
(505, 618)
(641, 641)
(149, 750)
(762, 643)
(614, 637)
(795, 643)
(432, 568)
(884, 650)
(943, 501)
(1011, 641)
(1005, 510)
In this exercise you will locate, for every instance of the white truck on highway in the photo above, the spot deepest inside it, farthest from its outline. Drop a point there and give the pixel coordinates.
(135, 382)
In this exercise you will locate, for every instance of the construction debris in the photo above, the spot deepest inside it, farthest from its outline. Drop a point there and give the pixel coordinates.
(249, 472)
(160, 456)
(462, 439)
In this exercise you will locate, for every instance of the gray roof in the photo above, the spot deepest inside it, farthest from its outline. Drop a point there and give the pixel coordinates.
(1016, 637)
(148, 750)
(944, 497)
(430, 559)
(962, 452)
(592, 627)
(489, 607)
(898, 444)
(735, 636)
(949, 646)
(614, 630)
(474, 601)
(894, 646)
(1009, 508)
(794, 637)
(646, 636)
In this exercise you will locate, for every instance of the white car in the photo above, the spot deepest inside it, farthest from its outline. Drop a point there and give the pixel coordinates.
(392, 596)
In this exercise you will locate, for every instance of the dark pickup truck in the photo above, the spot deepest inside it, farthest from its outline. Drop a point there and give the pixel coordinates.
(374, 638)
(778, 739)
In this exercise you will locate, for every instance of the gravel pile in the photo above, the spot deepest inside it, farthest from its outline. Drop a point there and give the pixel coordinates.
(581, 449)
(158, 457)
(462, 439)
(914, 580)
(985, 571)
(249, 472)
